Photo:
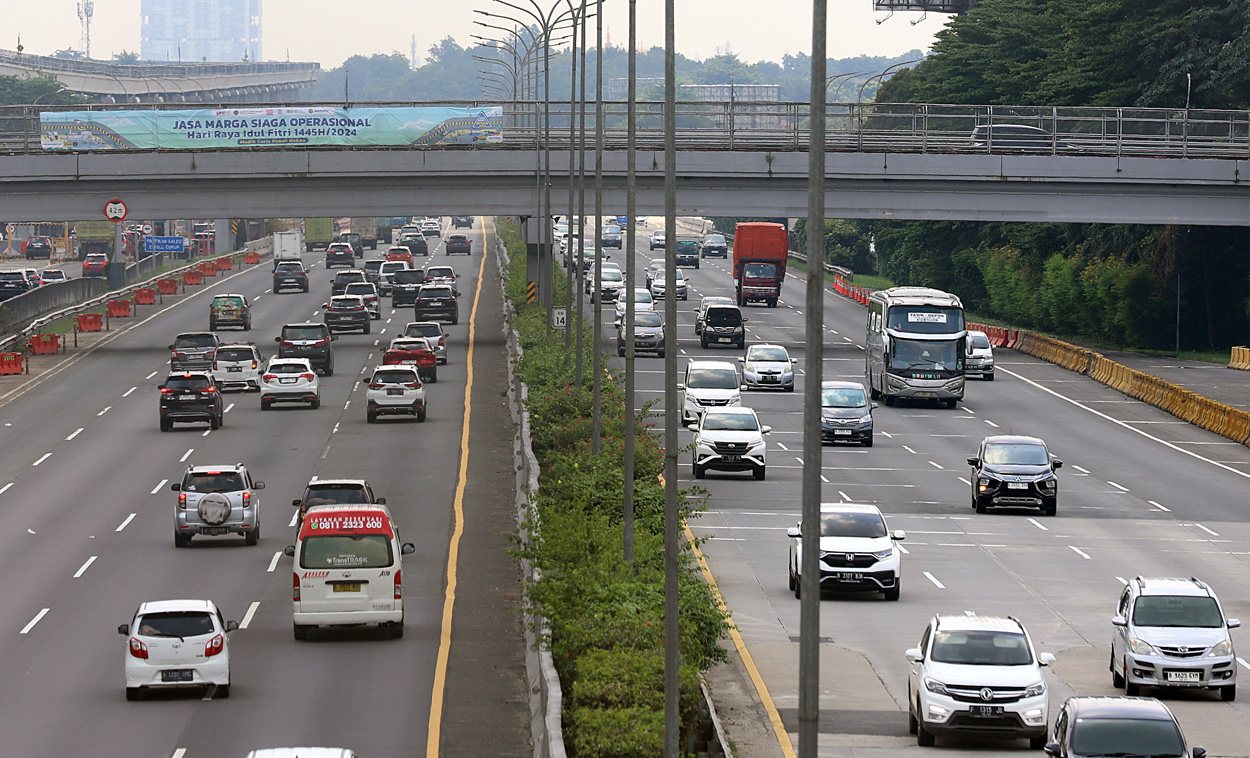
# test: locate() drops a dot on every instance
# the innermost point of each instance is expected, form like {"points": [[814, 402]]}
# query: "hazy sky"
{"points": [[328, 31]]}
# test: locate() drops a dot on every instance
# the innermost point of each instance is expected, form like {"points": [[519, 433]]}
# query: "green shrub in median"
{"points": [[605, 616]]}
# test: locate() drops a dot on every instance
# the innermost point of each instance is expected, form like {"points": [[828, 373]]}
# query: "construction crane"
{"points": [[86, 9]]}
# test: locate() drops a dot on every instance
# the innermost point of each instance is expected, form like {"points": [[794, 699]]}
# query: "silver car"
{"points": [[768, 367], [238, 365], [216, 500], [648, 334]]}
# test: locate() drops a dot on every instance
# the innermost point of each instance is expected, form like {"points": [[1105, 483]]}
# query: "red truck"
{"points": [[413, 351], [760, 254]]}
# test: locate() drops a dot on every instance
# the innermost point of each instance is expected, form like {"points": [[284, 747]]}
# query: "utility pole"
{"points": [[631, 207], [596, 421], [672, 412]]}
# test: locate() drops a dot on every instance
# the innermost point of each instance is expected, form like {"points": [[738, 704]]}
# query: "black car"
{"points": [[347, 312], [371, 267], [290, 275], [353, 239], [340, 254], [13, 283], [436, 302], [462, 221], [311, 341], [611, 236], [415, 243], [1131, 727], [845, 413], [193, 351], [404, 286], [39, 247], [713, 245], [1013, 470], [338, 285], [189, 397], [458, 243], [687, 251]]}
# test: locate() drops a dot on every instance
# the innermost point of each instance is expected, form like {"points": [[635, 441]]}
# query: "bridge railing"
{"points": [[149, 70], [782, 126]]}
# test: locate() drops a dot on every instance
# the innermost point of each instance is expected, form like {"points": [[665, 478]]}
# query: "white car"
{"points": [[238, 365], [857, 551], [973, 671], [768, 367], [730, 439], [708, 384], [656, 264], [659, 283], [289, 380], [393, 391], [368, 291], [979, 359], [610, 285], [642, 302], [386, 271], [442, 275], [177, 643]]}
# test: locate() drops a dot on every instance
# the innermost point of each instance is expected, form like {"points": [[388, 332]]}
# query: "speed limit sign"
{"points": [[147, 228], [115, 210]]}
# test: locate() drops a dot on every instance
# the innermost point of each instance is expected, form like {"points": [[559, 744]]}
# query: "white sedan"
{"points": [[289, 380]]}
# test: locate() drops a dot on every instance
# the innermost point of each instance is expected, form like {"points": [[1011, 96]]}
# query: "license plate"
{"points": [[985, 711], [186, 397], [847, 576], [1184, 676], [767, 379], [347, 586], [642, 344], [210, 530], [395, 392], [724, 339], [732, 458], [842, 432], [234, 369], [926, 394], [178, 675], [1017, 486], [283, 380]]}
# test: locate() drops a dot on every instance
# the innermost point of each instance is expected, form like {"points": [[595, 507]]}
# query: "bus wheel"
{"points": [[889, 399]]}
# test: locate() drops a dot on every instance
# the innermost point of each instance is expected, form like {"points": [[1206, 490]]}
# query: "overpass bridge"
{"points": [[167, 82], [913, 161]]}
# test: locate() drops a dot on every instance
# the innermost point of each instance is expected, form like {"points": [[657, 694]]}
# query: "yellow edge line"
{"points": [[453, 551]]}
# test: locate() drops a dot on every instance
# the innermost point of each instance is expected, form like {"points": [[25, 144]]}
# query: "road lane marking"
{"points": [[823, 479], [887, 435], [908, 449], [125, 523], [228, 407], [991, 423], [179, 753], [966, 409], [82, 570], [1082, 470], [127, 392], [1035, 523], [1119, 487], [783, 447], [1080, 552], [34, 621], [45, 457], [75, 434], [5, 488], [107, 408], [186, 455], [294, 518], [902, 549], [335, 429], [158, 487], [1160, 507], [1243, 662], [844, 496], [933, 579], [1208, 531], [433, 731], [800, 460], [273, 564], [247, 617], [206, 431], [347, 403], [937, 466], [149, 376], [965, 481]]}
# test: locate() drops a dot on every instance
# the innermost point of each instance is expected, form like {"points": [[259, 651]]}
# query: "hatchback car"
{"points": [[95, 264], [657, 240], [415, 352], [713, 245], [979, 359], [340, 254], [289, 380], [730, 439], [371, 266], [977, 675], [857, 551], [656, 264], [723, 325], [648, 334], [238, 365], [190, 397], [431, 229], [14, 283], [369, 293], [465, 222], [54, 275], [687, 253], [311, 341], [433, 333], [177, 643], [441, 275], [345, 312], [1013, 470], [288, 275], [193, 351], [768, 367], [399, 253], [354, 240], [39, 247], [386, 274], [1172, 633], [230, 310], [845, 413], [436, 301], [415, 242], [394, 390], [336, 492], [458, 243], [659, 282], [214, 500], [642, 302], [404, 286], [1096, 726]]}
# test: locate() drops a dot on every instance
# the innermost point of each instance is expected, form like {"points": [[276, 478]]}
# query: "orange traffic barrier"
{"points": [[119, 308], [145, 296], [251, 257], [90, 322], [208, 268], [45, 344], [193, 277], [225, 263], [167, 286], [12, 363]]}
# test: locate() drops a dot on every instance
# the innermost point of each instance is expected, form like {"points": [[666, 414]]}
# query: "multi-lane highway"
{"points": [[1140, 494], [88, 526]]}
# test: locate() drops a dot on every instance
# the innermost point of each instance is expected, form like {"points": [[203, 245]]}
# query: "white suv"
{"points": [[394, 390], [708, 384], [977, 675], [238, 365], [177, 643], [216, 500], [857, 551], [290, 380], [1172, 633], [730, 439]]}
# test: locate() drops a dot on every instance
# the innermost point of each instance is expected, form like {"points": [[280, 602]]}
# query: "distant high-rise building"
{"points": [[200, 30]]}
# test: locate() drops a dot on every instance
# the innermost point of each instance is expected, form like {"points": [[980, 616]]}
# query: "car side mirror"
{"points": [[914, 655], [1119, 621], [871, 406], [380, 501], [123, 629], [744, 320], [334, 338], [176, 487], [681, 386], [231, 626], [171, 347], [1045, 659], [765, 429], [899, 535], [1056, 463], [1233, 623], [258, 485], [289, 550], [743, 387], [277, 339], [160, 386], [741, 359], [794, 531], [1200, 752], [408, 548], [973, 461], [296, 503], [1052, 748], [325, 305]]}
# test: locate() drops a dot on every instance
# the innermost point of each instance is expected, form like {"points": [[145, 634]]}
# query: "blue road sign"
{"points": [[164, 244]]}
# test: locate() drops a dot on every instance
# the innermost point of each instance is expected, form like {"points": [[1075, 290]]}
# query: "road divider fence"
{"points": [[1240, 358]]}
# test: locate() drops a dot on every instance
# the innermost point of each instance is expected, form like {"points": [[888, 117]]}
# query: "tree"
{"points": [[41, 90], [126, 57]]}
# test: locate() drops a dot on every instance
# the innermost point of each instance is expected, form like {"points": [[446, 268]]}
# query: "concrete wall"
{"points": [[17, 312]]}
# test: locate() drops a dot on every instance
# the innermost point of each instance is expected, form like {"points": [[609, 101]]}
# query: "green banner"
{"points": [[313, 126]]}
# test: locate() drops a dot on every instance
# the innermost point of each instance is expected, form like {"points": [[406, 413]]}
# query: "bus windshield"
{"points": [[925, 355], [926, 319]]}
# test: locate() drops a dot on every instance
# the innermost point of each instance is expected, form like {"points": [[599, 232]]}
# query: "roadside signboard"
{"points": [[164, 244], [559, 318]]}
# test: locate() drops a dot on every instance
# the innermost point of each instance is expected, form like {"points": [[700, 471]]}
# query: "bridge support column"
{"points": [[531, 229]]}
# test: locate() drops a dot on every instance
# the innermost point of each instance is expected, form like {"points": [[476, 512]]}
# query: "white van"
{"points": [[347, 569]]}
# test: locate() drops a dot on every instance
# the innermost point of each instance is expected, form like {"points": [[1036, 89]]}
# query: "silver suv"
{"points": [[214, 500], [1172, 633]]}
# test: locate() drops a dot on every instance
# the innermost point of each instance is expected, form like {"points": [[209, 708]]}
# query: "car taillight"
{"points": [[268, 377], [255, 365], [247, 499], [208, 390], [309, 377], [295, 588], [322, 343], [167, 391], [399, 586], [412, 385], [214, 365], [214, 646], [442, 341], [286, 343], [182, 500], [138, 649], [375, 385]]}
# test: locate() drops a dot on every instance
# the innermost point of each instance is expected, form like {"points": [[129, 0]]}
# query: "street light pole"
{"points": [[631, 203], [596, 417], [672, 414], [570, 291], [581, 202]]}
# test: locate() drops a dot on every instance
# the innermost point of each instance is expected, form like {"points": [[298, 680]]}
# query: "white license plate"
{"points": [[395, 392], [233, 369], [724, 339], [1184, 676], [926, 394], [1017, 486], [178, 675], [842, 432], [186, 397], [212, 530], [283, 380]]}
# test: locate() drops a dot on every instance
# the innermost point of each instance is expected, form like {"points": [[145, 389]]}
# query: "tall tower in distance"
{"points": [[86, 9], [192, 31]]}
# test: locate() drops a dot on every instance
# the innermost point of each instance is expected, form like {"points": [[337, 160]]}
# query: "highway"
{"points": [[84, 491], [1140, 494]]}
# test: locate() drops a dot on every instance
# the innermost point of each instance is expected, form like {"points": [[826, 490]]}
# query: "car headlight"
{"points": [[1141, 647], [1048, 484], [735, 398], [934, 686], [983, 484], [1221, 649], [866, 419], [1035, 689], [755, 445], [882, 555]]}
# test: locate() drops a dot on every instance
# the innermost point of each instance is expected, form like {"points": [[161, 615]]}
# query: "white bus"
{"points": [[915, 345]]}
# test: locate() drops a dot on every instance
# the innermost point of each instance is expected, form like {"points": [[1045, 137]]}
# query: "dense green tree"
{"points": [[40, 90]]}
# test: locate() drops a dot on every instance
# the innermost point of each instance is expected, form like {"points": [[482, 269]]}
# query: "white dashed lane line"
{"points": [[1080, 552], [186, 455], [45, 457], [273, 564], [908, 449], [1119, 487], [127, 392], [107, 408], [125, 523], [294, 519], [35, 620], [991, 423], [228, 408], [247, 617], [1035, 523], [5, 488], [1160, 507], [158, 487], [85, 566], [76, 432], [149, 376], [206, 431], [1211, 532], [933, 579], [937, 466]]}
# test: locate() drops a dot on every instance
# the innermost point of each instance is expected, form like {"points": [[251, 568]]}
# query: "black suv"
{"points": [[687, 251], [434, 302], [340, 254], [347, 312], [311, 341], [338, 285], [290, 275], [39, 247], [404, 286], [193, 351], [415, 243], [13, 283], [190, 396], [713, 245], [462, 221], [1099, 725], [1013, 470]]}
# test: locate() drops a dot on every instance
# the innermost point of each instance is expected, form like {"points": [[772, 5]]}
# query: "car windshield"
{"points": [[351, 237], [335, 494], [740, 422], [979, 341], [612, 275], [647, 318], [708, 302], [286, 368], [374, 264], [410, 344], [1177, 610], [423, 330], [852, 525], [347, 277], [289, 268], [924, 355], [767, 353], [407, 276], [346, 302], [346, 551], [303, 333], [340, 246], [925, 319], [1115, 737], [687, 243], [175, 624], [361, 288], [213, 481], [228, 302], [643, 296], [850, 397], [235, 354], [1016, 454], [394, 376], [759, 271], [714, 239], [195, 340], [712, 378], [723, 317], [436, 293], [435, 272], [12, 276], [190, 383], [981, 648]]}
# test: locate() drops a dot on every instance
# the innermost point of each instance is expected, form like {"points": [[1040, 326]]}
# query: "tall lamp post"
{"points": [[631, 208]]}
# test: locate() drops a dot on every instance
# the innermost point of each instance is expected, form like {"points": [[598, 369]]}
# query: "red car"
{"points": [[400, 254], [95, 264], [413, 351]]}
